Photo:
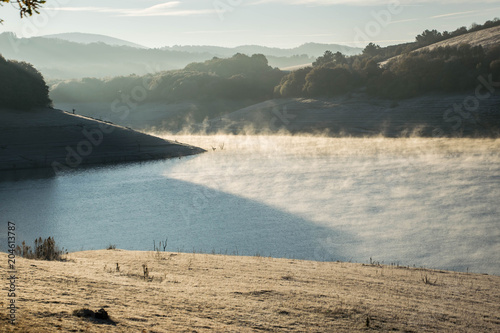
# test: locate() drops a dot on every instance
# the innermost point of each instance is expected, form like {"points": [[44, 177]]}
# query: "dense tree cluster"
{"points": [[443, 69], [238, 77], [22, 86]]}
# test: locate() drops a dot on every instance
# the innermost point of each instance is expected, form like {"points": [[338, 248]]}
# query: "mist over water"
{"points": [[427, 202], [414, 201]]}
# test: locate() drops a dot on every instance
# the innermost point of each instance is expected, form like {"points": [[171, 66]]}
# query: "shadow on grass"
{"points": [[98, 317]]}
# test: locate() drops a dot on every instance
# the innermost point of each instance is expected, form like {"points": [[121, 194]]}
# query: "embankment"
{"points": [[48, 138]]}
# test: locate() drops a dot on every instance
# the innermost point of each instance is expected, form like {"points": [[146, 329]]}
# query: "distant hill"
{"points": [[310, 49], [61, 59], [74, 55], [85, 38], [286, 59]]}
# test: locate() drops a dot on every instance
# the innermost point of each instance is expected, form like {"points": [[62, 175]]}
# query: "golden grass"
{"points": [[216, 293]]}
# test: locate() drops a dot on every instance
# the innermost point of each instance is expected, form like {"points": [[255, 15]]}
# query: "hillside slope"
{"points": [[486, 38], [360, 115], [355, 115], [40, 138], [85, 38]]}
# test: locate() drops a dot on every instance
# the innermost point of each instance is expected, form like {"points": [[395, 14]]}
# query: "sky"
{"points": [[274, 23]]}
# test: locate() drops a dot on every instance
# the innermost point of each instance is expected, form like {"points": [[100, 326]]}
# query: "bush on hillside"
{"points": [[22, 86], [44, 249]]}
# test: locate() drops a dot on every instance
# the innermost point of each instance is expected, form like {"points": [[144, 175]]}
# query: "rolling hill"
{"points": [[84, 38], [61, 59], [360, 115], [310, 49], [76, 55], [486, 38]]}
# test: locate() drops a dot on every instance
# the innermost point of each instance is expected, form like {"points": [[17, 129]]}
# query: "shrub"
{"points": [[22, 86], [44, 249]]}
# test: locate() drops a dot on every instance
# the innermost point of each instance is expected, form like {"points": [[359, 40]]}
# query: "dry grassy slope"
{"points": [[215, 293], [36, 138], [486, 38], [296, 67], [360, 115]]}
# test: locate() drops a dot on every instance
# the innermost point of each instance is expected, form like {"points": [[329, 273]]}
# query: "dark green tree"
{"points": [[325, 59], [326, 81], [292, 85], [339, 58], [371, 50], [429, 37]]}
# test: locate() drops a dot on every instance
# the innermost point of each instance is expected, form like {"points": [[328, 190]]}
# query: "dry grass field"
{"points": [[215, 293]]}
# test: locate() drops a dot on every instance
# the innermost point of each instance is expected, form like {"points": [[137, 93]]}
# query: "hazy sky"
{"points": [[280, 23]]}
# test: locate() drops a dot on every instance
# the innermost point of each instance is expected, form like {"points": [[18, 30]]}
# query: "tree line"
{"points": [[427, 38], [238, 77], [443, 69]]}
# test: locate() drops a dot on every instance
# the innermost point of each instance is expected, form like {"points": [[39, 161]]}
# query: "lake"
{"points": [[414, 201]]}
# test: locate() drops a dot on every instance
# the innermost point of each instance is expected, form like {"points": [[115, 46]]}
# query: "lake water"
{"points": [[424, 202]]}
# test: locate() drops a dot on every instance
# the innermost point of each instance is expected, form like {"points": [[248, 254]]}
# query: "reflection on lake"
{"points": [[422, 202]]}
